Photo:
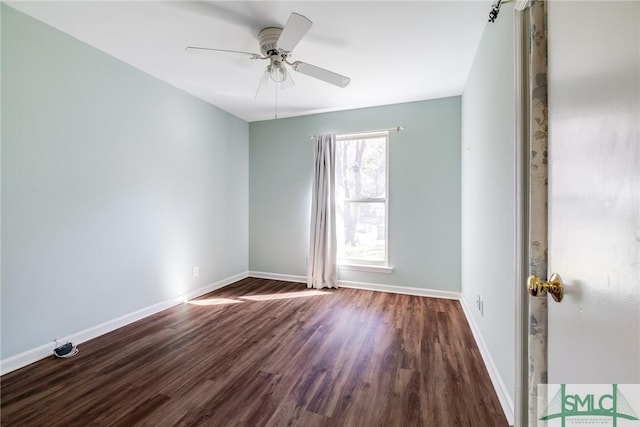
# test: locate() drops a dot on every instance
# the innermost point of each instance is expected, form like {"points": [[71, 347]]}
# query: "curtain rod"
{"points": [[397, 129]]}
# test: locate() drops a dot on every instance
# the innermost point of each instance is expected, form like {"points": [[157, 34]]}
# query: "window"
{"points": [[361, 198]]}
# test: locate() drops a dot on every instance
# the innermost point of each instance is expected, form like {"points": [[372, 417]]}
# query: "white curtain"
{"points": [[322, 270]]}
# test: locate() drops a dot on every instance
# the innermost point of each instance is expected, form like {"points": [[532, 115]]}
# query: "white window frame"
{"points": [[364, 265]]}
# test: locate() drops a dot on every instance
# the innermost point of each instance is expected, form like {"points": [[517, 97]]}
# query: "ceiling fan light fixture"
{"points": [[277, 72]]}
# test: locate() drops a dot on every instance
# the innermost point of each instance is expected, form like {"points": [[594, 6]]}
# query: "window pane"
{"points": [[361, 168], [361, 231]]}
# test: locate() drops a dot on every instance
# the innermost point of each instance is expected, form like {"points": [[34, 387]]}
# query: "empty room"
{"points": [[320, 213]]}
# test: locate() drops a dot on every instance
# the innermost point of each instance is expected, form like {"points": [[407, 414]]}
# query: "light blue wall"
{"points": [[114, 184], [489, 192], [424, 187]]}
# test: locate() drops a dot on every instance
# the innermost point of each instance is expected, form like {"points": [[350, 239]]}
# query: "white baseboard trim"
{"points": [[214, 286], [421, 292], [276, 276], [404, 290], [496, 379], [30, 356]]}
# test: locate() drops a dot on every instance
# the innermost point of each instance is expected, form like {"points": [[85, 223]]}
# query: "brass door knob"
{"points": [[554, 286]]}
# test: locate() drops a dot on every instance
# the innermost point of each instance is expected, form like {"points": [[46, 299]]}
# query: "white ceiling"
{"points": [[393, 51]]}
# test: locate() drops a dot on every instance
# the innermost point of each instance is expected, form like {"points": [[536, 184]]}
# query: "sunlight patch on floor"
{"points": [[213, 301], [288, 295], [267, 297]]}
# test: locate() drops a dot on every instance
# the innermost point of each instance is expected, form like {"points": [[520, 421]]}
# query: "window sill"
{"points": [[367, 268]]}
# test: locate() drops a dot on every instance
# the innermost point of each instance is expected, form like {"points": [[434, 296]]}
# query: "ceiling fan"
{"points": [[276, 45]]}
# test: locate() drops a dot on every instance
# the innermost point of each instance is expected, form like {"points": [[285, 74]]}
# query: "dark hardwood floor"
{"points": [[263, 352]]}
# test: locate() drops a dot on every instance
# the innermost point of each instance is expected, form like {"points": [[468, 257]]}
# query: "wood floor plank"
{"points": [[268, 353]]}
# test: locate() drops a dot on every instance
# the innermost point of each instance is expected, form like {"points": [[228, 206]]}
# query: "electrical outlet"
{"points": [[196, 271]]}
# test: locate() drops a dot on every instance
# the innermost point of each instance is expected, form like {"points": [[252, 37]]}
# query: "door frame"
{"points": [[521, 161]]}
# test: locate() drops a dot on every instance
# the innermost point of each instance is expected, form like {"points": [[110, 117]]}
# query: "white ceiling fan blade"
{"points": [[321, 74], [295, 28], [195, 49]]}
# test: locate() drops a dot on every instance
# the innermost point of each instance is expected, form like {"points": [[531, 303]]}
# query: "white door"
{"points": [[594, 191]]}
